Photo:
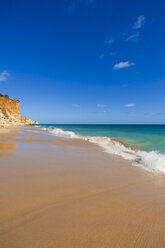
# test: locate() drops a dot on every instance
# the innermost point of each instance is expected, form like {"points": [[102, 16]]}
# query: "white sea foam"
{"points": [[152, 161], [68, 134]]}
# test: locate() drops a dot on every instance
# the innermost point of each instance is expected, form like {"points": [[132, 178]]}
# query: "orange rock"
{"points": [[10, 104], [10, 113]]}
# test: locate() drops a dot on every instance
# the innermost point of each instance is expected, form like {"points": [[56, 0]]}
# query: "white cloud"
{"points": [[134, 36], [123, 65], [75, 105], [140, 22], [4, 75], [129, 105], [101, 105]]}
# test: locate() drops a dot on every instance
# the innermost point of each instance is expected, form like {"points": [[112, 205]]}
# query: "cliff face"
{"points": [[11, 105], [10, 113]]}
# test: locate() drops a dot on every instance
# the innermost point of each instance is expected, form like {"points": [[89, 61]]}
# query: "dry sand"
{"points": [[57, 193]]}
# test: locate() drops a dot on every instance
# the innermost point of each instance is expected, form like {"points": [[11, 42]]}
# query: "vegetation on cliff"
{"points": [[5, 95]]}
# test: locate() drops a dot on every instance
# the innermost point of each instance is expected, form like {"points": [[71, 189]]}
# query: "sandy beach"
{"points": [[65, 193]]}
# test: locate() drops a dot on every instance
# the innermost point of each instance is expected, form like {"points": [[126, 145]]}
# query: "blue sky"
{"points": [[84, 61]]}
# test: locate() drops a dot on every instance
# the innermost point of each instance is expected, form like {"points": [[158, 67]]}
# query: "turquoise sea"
{"points": [[146, 137], [148, 140]]}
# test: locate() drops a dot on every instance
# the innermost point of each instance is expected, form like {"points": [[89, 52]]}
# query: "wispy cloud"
{"points": [[122, 65], [101, 105], [102, 112], [72, 6], [91, 1], [101, 56], [158, 113], [74, 3], [146, 113], [109, 41], [129, 105], [75, 105], [134, 33], [134, 36], [4, 75], [139, 22], [113, 54]]}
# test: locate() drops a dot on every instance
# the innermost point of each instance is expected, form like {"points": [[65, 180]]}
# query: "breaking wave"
{"points": [[151, 161]]}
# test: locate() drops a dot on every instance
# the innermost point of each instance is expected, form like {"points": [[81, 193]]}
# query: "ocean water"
{"points": [[144, 145]]}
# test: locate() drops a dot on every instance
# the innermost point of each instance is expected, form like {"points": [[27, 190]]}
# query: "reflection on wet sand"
{"points": [[7, 149], [8, 137]]}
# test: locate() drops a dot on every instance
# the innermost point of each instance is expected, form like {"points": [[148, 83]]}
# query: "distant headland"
{"points": [[10, 113]]}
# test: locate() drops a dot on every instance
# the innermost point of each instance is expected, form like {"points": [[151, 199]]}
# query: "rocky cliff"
{"points": [[11, 105], [10, 113]]}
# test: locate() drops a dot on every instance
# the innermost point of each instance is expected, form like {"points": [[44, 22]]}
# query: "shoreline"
{"points": [[57, 192], [151, 161]]}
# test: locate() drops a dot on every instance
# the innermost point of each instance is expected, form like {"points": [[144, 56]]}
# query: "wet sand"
{"points": [[69, 193]]}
